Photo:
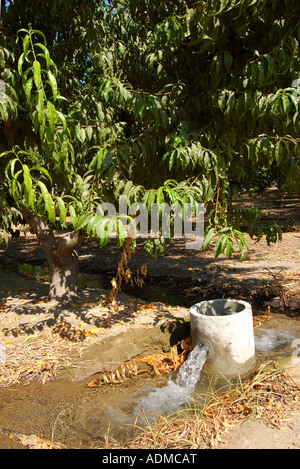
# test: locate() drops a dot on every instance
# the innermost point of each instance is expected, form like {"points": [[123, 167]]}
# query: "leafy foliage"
{"points": [[160, 102]]}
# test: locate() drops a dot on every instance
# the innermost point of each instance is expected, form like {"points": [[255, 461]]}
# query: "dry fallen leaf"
{"points": [[34, 442]]}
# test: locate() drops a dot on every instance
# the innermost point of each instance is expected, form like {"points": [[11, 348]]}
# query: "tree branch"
{"points": [[43, 232], [62, 248], [69, 242]]}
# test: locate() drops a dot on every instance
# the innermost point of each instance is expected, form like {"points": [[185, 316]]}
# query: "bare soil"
{"points": [[267, 275]]}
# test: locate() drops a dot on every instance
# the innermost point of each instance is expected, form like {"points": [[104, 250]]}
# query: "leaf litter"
{"points": [[271, 396]]}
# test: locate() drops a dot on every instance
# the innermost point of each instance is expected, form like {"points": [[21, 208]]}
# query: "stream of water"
{"points": [[175, 393]]}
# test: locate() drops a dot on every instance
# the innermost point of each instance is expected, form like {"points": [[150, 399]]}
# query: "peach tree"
{"points": [[161, 102]]}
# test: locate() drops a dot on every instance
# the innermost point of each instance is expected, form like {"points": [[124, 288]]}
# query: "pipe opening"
{"points": [[219, 307]]}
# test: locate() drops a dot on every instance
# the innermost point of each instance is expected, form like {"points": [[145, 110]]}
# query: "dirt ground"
{"points": [[52, 335]]}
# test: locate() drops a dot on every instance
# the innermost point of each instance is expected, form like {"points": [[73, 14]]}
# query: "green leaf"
{"points": [[15, 187], [228, 59], [220, 246], [150, 199], [254, 73], [43, 170], [285, 103], [127, 188], [27, 88], [53, 83], [172, 159], [241, 246], [46, 54], [105, 90], [72, 210], [62, 117], [51, 112], [10, 167], [230, 103], [81, 221], [230, 248], [49, 202], [160, 196], [40, 107], [62, 211], [20, 63], [26, 44], [208, 238], [121, 231], [37, 75], [27, 185], [40, 33], [261, 76]]}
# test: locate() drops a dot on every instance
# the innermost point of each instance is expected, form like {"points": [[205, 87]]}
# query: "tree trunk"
{"points": [[61, 256], [64, 269]]}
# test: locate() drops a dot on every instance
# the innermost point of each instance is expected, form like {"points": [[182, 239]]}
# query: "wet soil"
{"points": [[69, 413]]}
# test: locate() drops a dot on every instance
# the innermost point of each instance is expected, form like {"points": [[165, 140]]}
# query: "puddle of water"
{"points": [[273, 340], [69, 413], [278, 343]]}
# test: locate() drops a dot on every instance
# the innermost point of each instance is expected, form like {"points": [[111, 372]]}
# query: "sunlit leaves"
{"points": [[8, 94], [53, 83], [113, 89], [227, 240], [164, 101], [24, 185], [46, 203], [38, 73]]}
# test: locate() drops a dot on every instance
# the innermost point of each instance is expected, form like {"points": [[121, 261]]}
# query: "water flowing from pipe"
{"points": [[176, 393]]}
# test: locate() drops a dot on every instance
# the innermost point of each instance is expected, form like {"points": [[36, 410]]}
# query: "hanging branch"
{"points": [[279, 288], [124, 273]]}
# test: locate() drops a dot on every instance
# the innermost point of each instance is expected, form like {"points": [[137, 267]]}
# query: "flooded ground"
{"points": [[67, 412]]}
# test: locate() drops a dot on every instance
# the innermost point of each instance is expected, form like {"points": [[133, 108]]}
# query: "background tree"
{"points": [[161, 102]]}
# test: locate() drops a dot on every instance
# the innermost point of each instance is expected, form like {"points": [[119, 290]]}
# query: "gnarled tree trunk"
{"points": [[61, 256]]}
